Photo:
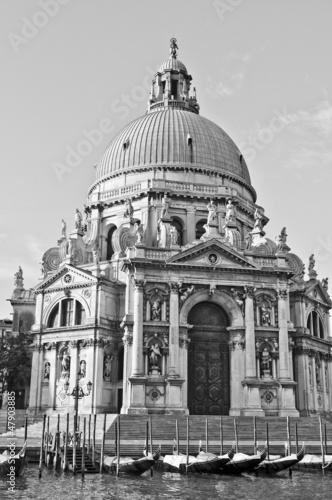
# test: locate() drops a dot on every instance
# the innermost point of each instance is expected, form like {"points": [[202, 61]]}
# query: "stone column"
{"points": [[283, 335], [52, 382], [137, 354], [127, 357], [314, 384], [73, 371], [35, 376], [237, 369], [250, 333], [325, 404], [173, 368], [191, 226]]}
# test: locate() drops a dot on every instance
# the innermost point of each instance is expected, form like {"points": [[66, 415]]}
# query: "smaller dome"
{"points": [[173, 64]]}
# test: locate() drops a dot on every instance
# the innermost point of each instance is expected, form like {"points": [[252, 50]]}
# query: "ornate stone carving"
{"points": [[283, 293], [185, 292], [96, 254], [47, 370], [63, 230], [237, 344], [129, 212], [266, 363], [212, 212], [87, 292], [249, 292], [73, 344], [165, 207], [258, 216], [18, 279], [86, 343], [78, 220], [127, 340], [312, 262], [154, 358], [325, 284], [230, 212], [107, 369], [174, 235], [184, 342], [281, 241], [239, 299], [49, 346], [139, 285], [248, 245]]}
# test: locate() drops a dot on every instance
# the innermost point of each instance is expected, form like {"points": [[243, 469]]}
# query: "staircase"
{"points": [[89, 467], [133, 432]]}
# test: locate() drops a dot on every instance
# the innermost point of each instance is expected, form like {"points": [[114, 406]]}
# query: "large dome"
{"points": [[176, 138]]}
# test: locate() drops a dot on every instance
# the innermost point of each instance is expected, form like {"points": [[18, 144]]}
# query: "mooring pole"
{"points": [[255, 436], [25, 430], [207, 435], [322, 444], [267, 441], [151, 446], [89, 432], [102, 445], [42, 448], [118, 461], [47, 439], [147, 439], [221, 437], [177, 436], [94, 439], [289, 437], [83, 447], [296, 439], [187, 458], [236, 437], [325, 437], [64, 465]]}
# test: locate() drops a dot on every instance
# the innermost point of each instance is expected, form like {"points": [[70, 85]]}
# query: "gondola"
{"points": [[279, 465], [203, 463], [18, 461], [314, 463], [243, 463], [128, 465]]}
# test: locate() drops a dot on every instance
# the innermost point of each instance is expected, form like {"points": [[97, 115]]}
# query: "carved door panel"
{"points": [[208, 384]]}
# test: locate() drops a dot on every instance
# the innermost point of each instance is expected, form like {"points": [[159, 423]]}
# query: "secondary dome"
{"points": [[172, 64], [173, 137]]}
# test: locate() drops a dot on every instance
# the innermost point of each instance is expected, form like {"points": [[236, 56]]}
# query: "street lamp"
{"points": [[77, 394]]}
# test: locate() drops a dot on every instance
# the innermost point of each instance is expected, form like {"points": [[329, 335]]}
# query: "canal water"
{"points": [[62, 486]]}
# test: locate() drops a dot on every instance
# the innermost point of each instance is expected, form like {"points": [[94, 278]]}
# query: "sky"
{"points": [[75, 72]]}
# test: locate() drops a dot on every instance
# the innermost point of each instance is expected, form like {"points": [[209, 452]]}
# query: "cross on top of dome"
{"points": [[173, 48]]}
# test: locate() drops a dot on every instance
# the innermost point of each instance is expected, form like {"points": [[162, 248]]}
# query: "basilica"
{"points": [[164, 293]]}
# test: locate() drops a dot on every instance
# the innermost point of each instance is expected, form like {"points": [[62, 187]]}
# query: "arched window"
{"points": [[67, 312], [315, 325], [110, 248], [178, 225], [200, 230]]}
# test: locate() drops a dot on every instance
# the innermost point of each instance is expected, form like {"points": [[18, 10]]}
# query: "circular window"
{"points": [[213, 258], [67, 278]]}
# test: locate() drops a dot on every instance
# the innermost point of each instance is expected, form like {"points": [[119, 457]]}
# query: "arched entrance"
{"points": [[208, 363]]}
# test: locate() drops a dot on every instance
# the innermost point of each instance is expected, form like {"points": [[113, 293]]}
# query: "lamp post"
{"points": [[77, 393]]}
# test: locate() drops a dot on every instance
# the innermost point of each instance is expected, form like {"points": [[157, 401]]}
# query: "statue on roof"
{"points": [[129, 212], [173, 48], [165, 206], [212, 209], [230, 211], [258, 216], [325, 284], [312, 262], [78, 219], [281, 241], [63, 229], [18, 278]]}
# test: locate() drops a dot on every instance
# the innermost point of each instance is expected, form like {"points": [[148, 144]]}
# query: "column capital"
{"points": [[282, 293], [175, 287], [139, 284], [249, 292]]}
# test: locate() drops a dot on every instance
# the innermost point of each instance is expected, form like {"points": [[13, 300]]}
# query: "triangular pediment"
{"points": [[66, 276], [315, 291], [212, 253]]}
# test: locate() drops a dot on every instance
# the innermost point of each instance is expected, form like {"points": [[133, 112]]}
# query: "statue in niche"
{"points": [[156, 310], [47, 370], [265, 311], [18, 278], [230, 212], [312, 262], [96, 254], [276, 344], [174, 235], [165, 206], [317, 374], [212, 209], [108, 367], [82, 371], [63, 229], [258, 216], [266, 362], [155, 354], [129, 212], [238, 299], [162, 235], [65, 364], [78, 219], [248, 241]]}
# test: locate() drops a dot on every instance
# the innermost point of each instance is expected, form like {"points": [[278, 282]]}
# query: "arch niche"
{"points": [[208, 363]]}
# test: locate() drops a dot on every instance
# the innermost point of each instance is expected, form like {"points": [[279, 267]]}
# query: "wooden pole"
{"points": [[94, 439], [89, 433], [289, 437], [64, 465], [236, 437], [118, 460], [151, 446], [57, 443], [147, 439], [116, 438], [187, 458], [47, 439], [321, 443], [325, 437], [267, 441], [255, 436], [296, 439], [83, 447], [207, 435], [25, 429], [42, 448], [102, 446], [177, 436], [221, 438]]}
